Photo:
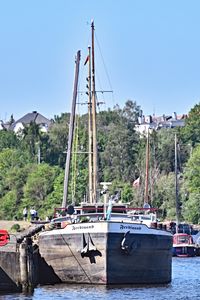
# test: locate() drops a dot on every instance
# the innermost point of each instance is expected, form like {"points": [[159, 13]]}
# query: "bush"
{"points": [[16, 228]]}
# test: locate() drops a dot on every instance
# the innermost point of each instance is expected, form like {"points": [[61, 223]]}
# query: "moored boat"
{"points": [[103, 243], [119, 250], [183, 245]]}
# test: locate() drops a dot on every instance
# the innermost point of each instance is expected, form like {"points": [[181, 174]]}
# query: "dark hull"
{"points": [[146, 258], [184, 251]]}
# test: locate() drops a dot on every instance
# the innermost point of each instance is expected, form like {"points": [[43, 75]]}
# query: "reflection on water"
{"points": [[185, 285]]}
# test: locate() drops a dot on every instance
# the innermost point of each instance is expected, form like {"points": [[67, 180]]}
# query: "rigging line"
{"points": [[106, 71], [75, 158], [73, 176], [81, 91], [73, 155], [76, 259], [75, 151], [179, 156], [103, 62], [73, 168], [73, 161]]}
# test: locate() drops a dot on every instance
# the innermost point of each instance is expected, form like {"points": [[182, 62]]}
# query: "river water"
{"points": [[185, 285]]}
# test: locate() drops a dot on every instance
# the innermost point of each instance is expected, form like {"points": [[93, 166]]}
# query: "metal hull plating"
{"points": [[107, 253]]}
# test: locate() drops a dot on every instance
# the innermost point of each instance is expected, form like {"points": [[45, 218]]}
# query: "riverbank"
{"points": [[7, 225]]}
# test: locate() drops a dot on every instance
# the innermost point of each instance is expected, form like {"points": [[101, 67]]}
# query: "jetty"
{"points": [[20, 260]]}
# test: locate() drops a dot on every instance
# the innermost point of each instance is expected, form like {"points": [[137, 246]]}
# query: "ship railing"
{"points": [[60, 211]]}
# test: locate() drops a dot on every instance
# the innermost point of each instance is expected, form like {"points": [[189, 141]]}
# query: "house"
{"points": [[4, 125], [146, 123], [34, 117]]}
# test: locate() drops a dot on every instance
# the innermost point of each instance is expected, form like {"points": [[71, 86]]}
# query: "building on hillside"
{"points": [[29, 118], [2, 125], [146, 123]]}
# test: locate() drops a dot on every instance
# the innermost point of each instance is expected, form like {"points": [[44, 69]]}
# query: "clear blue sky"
{"points": [[151, 50]]}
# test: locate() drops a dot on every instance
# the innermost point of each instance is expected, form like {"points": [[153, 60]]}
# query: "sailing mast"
{"points": [[94, 130], [71, 131], [176, 183], [146, 192], [90, 127]]}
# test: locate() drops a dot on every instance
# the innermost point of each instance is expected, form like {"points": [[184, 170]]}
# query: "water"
{"points": [[185, 285]]}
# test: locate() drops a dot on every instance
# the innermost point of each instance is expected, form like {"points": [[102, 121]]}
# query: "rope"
{"points": [[75, 157], [76, 259], [103, 62], [104, 65]]}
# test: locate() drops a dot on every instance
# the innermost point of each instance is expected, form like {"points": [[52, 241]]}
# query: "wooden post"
{"points": [[71, 131], [23, 265]]}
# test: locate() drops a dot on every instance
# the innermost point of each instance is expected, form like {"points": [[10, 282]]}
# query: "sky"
{"points": [[147, 51]]}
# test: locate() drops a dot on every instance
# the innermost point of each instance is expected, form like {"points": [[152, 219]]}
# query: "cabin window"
{"points": [[183, 239]]}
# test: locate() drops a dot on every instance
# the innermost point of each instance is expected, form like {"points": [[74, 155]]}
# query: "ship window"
{"points": [[183, 239]]}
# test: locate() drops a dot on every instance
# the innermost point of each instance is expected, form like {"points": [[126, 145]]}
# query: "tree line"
{"points": [[24, 182]]}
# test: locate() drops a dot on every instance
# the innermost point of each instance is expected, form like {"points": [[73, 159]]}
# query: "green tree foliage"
{"points": [[31, 137], [191, 131], [127, 193], [121, 157], [118, 149], [8, 139], [191, 210], [164, 196], [192, 172], [54, 199], [10, 160], [39, 185], [192, 186], [14, 167], [9, 208], [57, 142]]}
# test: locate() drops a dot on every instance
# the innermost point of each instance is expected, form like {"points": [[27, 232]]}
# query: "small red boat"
{"points": [[4, 237], [183, 245]]}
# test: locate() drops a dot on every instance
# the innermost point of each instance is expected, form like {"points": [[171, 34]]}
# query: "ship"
{"points": [[102, 242], [183, 245]]}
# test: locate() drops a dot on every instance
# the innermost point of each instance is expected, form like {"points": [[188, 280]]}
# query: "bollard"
{"points": [[23, 265]]}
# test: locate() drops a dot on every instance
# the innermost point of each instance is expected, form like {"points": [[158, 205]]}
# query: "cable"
{"points": [[76, 259]]}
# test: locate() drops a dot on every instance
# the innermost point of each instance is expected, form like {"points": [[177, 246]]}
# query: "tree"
{"points": [[9, 209], [54, 199], [130, 112], [118, 144], [127, 193], [39, 185], [192, 172], [191, 209], [191, 131], [57, 142], [14, 168], [192, 187], [8, 139], [164, 195], [31, 137]]}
